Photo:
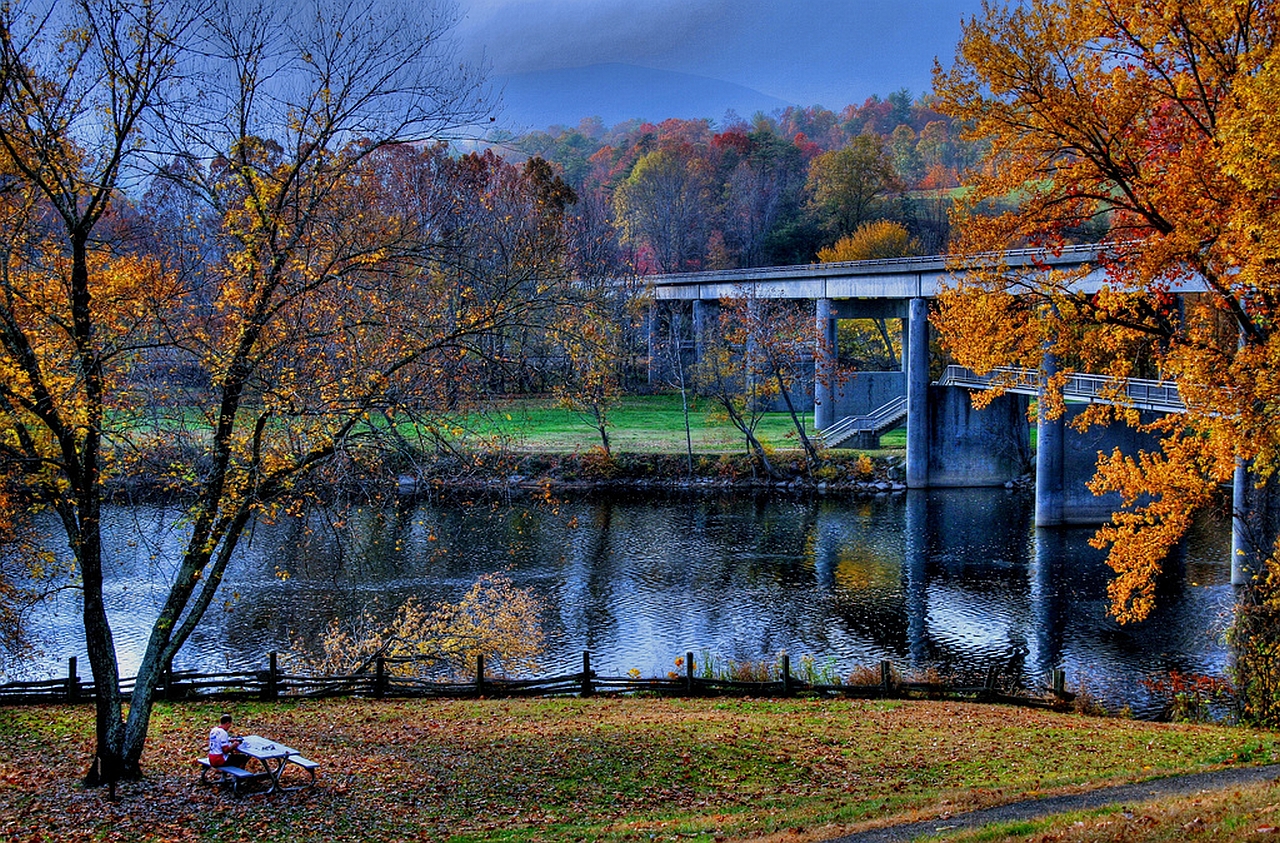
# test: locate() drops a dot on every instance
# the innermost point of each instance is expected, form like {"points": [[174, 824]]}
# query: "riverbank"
{"points": [[618, 769], [534, 444], [843, 472], [409, 476]]}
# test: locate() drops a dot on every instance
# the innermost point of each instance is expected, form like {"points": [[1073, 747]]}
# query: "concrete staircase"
{"points": [[865, 431]]}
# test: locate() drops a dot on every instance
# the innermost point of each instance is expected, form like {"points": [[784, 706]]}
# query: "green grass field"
{"points": [[638, 424]]}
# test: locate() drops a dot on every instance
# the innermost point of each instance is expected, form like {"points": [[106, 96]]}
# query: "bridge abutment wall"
{"points": [[972, 447], [1066, 460]]}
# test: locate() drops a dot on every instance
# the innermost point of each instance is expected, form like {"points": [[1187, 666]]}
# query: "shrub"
{"points": [[1254, 639], [494, 619]]}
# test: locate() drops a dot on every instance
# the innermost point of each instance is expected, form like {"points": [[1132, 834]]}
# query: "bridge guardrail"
{"points": [[876, 422], [1159, 395]]}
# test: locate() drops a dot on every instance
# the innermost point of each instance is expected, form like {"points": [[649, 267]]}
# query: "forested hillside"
{"points": [[775, 189]]}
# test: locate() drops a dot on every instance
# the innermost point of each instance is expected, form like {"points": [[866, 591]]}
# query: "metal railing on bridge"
{"points": [[1161, 396], [875, 423]]}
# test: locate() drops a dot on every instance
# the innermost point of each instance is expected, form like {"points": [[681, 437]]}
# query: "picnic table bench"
{"points": [[273, 758]]}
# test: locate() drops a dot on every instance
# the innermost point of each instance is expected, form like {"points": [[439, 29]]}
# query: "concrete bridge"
{"points": [[949, 443]]}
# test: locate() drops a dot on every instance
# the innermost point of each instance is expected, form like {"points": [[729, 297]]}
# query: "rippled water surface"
{"points": [[956, 580]]}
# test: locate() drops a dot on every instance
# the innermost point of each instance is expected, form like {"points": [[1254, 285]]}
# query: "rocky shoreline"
{"points": [[503, 474], [856, 475]]}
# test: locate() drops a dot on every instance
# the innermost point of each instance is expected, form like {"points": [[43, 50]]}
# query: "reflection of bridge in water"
{"points": [[949, 443]]}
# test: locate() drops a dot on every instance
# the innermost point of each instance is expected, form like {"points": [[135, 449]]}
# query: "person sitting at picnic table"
{"points": [[222, 747]]}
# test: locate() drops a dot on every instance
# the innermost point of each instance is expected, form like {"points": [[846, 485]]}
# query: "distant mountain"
{"points": [[619, 92]]}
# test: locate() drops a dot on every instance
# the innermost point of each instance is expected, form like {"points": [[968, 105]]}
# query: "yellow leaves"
{"points": [[494, 618], [872, 241], [1151, 126], [1168, 488]]}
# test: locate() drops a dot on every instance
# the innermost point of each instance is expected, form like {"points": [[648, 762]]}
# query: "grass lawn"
{"points": [[633, 769], [639, 424], [1249, 812]]}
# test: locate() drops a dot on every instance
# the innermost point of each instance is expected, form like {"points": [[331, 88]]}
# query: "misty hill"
{"points": [[620, 92]]}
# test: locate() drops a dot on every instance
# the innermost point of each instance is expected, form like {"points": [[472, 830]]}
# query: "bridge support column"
{"points": [[651, 334], [1066, 459], [1240, 545], [1050, 458], [701, 313], [1255, 524], [917, 358], [824, 366]]}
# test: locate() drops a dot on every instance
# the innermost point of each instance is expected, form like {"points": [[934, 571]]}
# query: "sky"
{"points": [[806, 52]]}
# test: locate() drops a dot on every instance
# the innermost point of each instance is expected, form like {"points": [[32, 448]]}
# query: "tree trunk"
{"points": [[810, 452]]}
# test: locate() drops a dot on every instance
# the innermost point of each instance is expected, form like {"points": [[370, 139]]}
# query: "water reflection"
{"points": [[953, 580]]}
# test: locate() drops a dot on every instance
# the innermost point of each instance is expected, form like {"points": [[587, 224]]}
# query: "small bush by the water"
{"points": [[813, 673], [1254, 639], [495, 619], [1192, 697]]}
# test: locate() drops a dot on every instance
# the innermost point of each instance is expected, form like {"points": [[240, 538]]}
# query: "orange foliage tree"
{"points": [[753, 360], [310, 285], [1148, 126]]}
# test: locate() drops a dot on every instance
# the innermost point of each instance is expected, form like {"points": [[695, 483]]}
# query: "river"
{"points": [[952, 580]]}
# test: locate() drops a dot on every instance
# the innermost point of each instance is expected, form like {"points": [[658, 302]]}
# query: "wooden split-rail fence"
{"points": [[382, 681]]}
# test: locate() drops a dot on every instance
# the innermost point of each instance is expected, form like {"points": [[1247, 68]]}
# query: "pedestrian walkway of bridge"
{"points": [[948, 441], [1157, 395]]}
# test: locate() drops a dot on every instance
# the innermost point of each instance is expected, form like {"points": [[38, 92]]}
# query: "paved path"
{"points": [[1034, 808]]}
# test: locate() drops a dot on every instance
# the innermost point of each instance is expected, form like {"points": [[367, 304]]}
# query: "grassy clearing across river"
{"points": [[639, 424], [628, 769]]}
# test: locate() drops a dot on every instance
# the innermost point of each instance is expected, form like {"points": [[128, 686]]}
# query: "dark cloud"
{"points": [[828, 52], [518, 36]]}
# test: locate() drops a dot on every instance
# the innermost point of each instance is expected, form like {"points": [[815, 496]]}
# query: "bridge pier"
{"points": [[916, 351], [1050, 434], [703, 312], [1067, 459], [825, 358], [1255, 524]]}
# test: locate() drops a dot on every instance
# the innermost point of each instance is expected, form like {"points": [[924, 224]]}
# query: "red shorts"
{"points": [[217, 760]]}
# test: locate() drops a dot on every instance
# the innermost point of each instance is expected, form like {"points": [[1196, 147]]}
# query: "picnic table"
{"points": [[273, 760]]}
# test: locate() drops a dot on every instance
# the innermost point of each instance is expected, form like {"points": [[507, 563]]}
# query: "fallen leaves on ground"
{"points": [[570, 769]]}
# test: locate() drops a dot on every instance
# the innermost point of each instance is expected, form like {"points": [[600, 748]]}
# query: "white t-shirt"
{"points": [[219, 741]]}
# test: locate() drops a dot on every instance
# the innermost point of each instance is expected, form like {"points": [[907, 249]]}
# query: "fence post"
{"points": [[273, 675], [1059, 682], [989, 687], [886, 676], [479, 674], [73, 681], [380, 678], [786, 675], [587, 690], [688, 671]]}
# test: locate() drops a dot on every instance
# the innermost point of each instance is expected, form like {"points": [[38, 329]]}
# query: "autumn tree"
{"points": [[753, 357], [875, 240], [1153, 125], [731, 373], [590, 344], [321, 302], [873, 344], [661, 208], [763, 189], [75, 90], [850, 185]]}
